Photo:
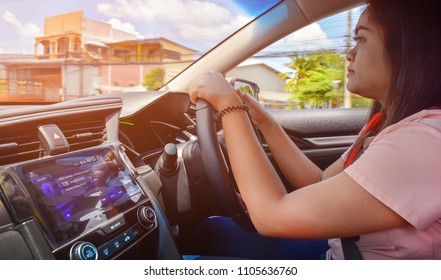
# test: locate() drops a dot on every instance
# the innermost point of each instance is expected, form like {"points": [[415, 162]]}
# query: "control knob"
{"points": [[147, 217], [83, 251]]}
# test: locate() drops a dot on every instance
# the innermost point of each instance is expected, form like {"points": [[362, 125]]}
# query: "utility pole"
{"points": [[347, 101]]}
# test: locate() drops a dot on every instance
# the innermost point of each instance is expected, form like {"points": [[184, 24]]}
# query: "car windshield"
{"points": [[52, 50]]}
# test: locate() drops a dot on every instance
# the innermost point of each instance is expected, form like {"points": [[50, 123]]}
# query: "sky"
{"points": [[197, 24]]}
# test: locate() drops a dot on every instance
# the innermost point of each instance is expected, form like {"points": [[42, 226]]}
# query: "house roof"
{"points": [[254, 61], [149, 41]]}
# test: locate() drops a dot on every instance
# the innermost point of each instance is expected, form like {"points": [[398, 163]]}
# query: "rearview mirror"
{"points": [[246, 86]]}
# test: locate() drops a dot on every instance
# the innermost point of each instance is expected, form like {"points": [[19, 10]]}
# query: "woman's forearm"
{"points": [[298, 169]]}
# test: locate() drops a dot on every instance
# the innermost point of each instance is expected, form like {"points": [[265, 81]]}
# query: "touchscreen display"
{"points": [[79, 192]]}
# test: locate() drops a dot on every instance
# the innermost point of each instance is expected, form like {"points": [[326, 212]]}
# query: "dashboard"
{"points": [[75, 182]]}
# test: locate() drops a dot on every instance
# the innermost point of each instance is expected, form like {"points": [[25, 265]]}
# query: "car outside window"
{"points": [[306, 69]]}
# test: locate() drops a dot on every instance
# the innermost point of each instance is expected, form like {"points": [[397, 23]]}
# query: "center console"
{"points": [[88, 204]]}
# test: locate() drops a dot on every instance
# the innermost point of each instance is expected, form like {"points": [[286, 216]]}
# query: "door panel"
{"points": [[323, 135]]}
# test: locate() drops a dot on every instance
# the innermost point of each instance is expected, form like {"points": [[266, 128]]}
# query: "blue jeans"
{"points": [[222, 237]]}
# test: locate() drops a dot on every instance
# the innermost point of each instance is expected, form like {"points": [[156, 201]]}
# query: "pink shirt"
{"points": [[402, 168]]}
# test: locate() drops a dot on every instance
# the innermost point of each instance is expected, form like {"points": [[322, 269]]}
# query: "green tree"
{"points": [[154, 79], [316, 79]]}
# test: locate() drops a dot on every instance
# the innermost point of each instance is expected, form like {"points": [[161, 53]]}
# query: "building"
{"points": [[73, 36], [78, 57], [128, 61], [256, 71], [272, 87]]}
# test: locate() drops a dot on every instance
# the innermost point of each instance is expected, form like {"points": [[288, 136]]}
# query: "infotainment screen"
{"points": [[78, 192]]}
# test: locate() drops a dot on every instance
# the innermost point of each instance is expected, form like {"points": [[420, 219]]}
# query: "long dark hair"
{"points": [[411, 32], [412, 38]]}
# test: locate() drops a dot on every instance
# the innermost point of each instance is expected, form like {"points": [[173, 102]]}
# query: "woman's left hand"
{"points": [[215, 89]]}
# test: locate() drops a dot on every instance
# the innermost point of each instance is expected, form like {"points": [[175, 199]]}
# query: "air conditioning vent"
{"points": [[83, 133], [19, 144]]}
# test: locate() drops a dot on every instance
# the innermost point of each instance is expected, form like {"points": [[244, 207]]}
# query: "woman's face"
{"points": [[368, 74]]}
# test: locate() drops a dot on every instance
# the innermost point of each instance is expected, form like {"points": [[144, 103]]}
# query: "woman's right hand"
{"points": [[259, 116], [215, 89]]}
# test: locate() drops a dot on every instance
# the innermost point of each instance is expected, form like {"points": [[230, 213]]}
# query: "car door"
{"points": [[322, 134]]}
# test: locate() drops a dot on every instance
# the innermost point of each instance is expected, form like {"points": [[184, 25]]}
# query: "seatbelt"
{"points": [[350, 248]]}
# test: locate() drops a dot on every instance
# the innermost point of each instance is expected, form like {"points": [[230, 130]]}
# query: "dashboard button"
{"points": [[127, 236], [105, 251], [108, 229]]}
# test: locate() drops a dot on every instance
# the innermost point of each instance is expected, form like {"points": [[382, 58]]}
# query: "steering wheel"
{"points": [[214, 162]]}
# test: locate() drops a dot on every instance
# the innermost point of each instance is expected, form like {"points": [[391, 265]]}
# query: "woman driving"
{"points": [[386, 188]]}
